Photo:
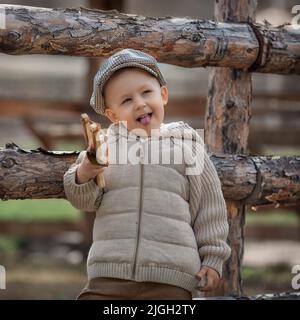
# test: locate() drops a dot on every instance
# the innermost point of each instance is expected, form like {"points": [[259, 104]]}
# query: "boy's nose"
{"points": [[140, 103]]}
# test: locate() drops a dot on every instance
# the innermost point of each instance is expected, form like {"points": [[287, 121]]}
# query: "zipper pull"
{"points": [[141, 152]]}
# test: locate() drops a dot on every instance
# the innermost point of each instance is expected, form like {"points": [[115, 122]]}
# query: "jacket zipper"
{"points": [[140, 211]]}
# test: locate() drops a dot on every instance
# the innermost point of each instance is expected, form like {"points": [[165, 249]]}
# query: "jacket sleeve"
{"points": [[210, 223], [86, 196]]}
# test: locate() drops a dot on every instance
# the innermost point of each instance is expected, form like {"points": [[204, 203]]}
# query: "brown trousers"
{"points": [[121, 289]]}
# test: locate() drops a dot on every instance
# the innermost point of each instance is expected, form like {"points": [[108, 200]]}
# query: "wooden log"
{"points": [[227, 131], [38, 174], [184, 41], [275, 42], [96, 33]]}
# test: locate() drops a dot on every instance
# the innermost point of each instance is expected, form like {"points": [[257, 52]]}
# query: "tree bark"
{"points": [[227, 130], [184, 41], [38, 174]]}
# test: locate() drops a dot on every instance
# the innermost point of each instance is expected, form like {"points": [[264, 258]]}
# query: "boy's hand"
{"points": [[87, 171], [212, 279]]}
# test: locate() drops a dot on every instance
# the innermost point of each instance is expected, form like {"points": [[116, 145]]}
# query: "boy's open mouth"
{"points": [[145, 118]]}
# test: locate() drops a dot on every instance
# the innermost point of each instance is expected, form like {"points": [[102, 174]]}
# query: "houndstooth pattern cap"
{"points": [[122, 59]]}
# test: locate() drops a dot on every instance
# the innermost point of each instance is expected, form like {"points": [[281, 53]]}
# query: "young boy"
{"points": [[158, 230]]}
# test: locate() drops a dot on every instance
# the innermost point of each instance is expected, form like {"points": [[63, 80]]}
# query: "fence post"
{"points": [[226, 131]]}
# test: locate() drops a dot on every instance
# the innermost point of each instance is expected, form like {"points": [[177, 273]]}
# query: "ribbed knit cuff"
{"points": [[84, 188], [213, 262]]}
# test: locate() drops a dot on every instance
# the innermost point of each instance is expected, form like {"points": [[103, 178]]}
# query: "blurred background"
{"points": [[44, 243]]}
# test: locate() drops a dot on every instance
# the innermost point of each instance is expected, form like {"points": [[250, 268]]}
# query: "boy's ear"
{"points": [[164, 94], [111, 115]]}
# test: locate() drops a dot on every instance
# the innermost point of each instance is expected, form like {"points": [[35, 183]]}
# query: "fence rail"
{"points": [[256, 180], [184, 42]]}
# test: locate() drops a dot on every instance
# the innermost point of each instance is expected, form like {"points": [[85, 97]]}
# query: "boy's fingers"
{"points": [[212, 284], [201, 273], [202, 277], [208, 286], [99, 170], [208, 281], [92, 166], [96, 168]]}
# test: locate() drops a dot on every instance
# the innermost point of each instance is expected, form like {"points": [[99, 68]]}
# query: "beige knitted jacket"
{"points": [[154, 222]]}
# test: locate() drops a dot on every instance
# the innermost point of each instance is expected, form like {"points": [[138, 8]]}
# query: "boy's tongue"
{"points": [[145, 120]]}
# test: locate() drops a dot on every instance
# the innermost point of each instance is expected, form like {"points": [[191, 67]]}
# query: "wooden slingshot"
{"points": [[98, 154]]}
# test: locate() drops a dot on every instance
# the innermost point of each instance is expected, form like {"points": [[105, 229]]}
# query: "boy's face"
{"points": [[132, 93]]}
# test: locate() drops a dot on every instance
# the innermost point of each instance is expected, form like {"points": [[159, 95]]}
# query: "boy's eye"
{"points": [[146, 91], [128, 99]]}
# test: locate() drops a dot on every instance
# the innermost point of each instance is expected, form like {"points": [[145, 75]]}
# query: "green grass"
{"points": [[54, 209], [44, 209], [67, 146], [278, 217], [277, 273], [8, 243], [281, 151], [34, 210]]}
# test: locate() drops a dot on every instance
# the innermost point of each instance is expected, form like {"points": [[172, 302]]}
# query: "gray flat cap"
{"points": [[122, 59]]}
